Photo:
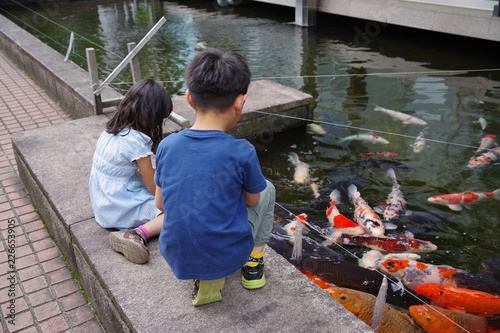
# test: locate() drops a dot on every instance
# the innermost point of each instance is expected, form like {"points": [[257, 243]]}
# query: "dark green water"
{"points": [[347, 74]]}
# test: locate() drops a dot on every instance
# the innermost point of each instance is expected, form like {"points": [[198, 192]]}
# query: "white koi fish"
{"points": [[395, 200], [487, 143], [364, 214], [489, 157], [455, 201], [313, 128], [301, 174], [420, 143], [482, 122], [405, 118], [367, 138]]}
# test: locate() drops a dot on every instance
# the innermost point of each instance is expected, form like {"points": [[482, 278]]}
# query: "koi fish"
{"points": [[362, 305], [413, 273], [301, 174], [381, 153], [313, 128], [405, 118], [420, 143], [461, 299], [366, 138], [489, 157], [391, 244], [339, 221], [364, 215], [434, 319], [455, 200], [487, 143], [372, 258], [395, 201], [482, 122]]}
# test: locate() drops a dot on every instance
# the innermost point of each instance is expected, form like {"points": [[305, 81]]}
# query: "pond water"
{"points": [[447, 81]]}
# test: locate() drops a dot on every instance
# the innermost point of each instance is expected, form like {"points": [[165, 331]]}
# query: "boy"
{"points": [[220, 207]]}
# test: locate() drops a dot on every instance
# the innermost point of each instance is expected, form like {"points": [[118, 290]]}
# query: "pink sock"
{"points": [[143, 232]]}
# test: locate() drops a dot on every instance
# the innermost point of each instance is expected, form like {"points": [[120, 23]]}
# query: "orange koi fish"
{"points": [[435, 319], [339, 221], [381, 153], [362, 305], [391, 244], [487, 142], [413, 273], [461, 299], [455, 201], [364, 214], [395, 201], [489, 157]]}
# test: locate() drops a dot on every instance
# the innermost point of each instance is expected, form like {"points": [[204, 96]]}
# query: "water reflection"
{"points": [[435, 78]]}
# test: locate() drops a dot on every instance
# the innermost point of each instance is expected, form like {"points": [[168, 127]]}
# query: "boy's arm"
{"points": [[251, 199], [158, 198]]}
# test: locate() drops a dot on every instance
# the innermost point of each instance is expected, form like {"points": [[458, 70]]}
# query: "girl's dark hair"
{"points": [[144, 108]]}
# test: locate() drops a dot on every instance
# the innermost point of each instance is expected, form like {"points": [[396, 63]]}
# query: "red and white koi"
{"points": [[395, 200], [413, 273], [489, 157], [381, 154], [364, 215], [487, 143], [366, 138], [391, 244], [456, 201], [338, 221]]}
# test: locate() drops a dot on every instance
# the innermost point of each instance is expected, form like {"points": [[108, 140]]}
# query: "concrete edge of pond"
{"points": [[148, 298]]}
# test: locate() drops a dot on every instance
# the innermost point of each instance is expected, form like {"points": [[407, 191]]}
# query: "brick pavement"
{"points": [[37, 292]]}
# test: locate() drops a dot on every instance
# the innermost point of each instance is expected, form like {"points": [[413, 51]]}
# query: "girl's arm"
{"points": [[147, 173]]}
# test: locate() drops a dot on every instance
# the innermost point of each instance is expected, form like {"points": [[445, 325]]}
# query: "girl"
{"points": [[121, 180]]}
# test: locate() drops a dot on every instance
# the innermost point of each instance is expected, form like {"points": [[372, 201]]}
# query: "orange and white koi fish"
{"points": [[381, 154], [339, 221], [366, 138], [455, 201], [487, 143], [435, 319], [461, 299], [362, 305], [395, 201], [403, 117], [489, 157], [413, 273], [364, 215], [372, 258], [391, 244]]}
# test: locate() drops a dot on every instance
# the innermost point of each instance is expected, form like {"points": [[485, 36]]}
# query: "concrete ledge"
{"points": [[148, 298], [65, 82]]}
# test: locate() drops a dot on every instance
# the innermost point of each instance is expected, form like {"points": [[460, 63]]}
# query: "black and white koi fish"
{"points": [[395, 200]]}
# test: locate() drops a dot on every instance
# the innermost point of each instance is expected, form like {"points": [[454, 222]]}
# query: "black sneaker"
{"points": [[253, 277]]}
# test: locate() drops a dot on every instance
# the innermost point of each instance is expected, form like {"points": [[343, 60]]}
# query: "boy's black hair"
{"points": [[143, 108], [215, 78]]}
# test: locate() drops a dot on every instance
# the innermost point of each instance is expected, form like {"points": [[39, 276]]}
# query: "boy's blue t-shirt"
{"points": [[206, 234]]}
